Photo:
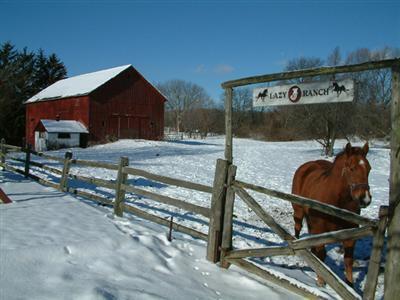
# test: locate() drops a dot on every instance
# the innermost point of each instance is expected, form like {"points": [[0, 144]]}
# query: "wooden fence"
{"points": [[119, 185], [220, 214]]}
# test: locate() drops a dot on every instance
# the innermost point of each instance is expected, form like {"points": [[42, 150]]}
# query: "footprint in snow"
{"points": [[67, 250]]}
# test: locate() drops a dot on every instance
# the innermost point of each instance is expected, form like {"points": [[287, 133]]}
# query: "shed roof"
{"points": [[69, 126], [78, 85]]}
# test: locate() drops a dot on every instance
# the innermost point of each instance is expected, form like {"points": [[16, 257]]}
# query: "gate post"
{"points": [[392, 270], [119, 192], [228, 125], [375, 259], [217, 211], [226, 244], [65, 172]]}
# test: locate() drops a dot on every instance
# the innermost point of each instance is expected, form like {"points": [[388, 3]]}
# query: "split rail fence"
{"points": [[220, 215]]}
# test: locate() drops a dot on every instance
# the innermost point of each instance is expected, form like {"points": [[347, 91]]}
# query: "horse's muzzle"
{"points": [[360, 192]]}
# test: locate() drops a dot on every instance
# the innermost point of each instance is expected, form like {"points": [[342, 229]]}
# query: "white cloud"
{"points": [[223, 69], [200, 69]]}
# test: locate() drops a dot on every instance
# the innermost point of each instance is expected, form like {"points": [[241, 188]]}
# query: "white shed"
{"points": [[54, 134]]}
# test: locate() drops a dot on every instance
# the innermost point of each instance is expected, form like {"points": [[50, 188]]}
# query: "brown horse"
{"points": [[343, 183]]}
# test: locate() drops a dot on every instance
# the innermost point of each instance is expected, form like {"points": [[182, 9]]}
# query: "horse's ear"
{"points": [[365, 149], [348, 149]]}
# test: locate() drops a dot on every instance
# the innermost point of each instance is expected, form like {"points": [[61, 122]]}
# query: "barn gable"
{"points": [[78, 85]]}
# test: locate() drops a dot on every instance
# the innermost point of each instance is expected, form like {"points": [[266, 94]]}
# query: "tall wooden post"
{"points": [[217, 211], [119, 192], [228, 125], [392, 271], [65, 172], [376, 253], [226, 244]]}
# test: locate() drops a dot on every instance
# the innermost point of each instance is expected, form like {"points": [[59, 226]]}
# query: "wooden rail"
{"points": [[322, 207], [371, 65], [110, 184], [95, 164], [168, 200], [265, 274], [259, 252], [169, 180]]}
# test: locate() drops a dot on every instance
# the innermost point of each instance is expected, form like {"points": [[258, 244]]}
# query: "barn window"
{"points": [[64, 135]]}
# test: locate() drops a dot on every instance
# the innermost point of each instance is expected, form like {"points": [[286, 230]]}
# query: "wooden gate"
{"points": [[300, 247], [222, 250]]}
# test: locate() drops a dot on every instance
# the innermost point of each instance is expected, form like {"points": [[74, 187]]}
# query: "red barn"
{"points": [[112, 103]]}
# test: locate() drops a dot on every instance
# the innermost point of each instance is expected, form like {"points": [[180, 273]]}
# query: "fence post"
{"points": [[64, 177], [27, 159], [3, 152], [217, 214], [226, 244], [119, 192], [392, 270], [375, 258]]}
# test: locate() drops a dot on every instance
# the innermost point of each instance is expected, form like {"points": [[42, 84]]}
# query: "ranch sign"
{"points": [[307, 93]]}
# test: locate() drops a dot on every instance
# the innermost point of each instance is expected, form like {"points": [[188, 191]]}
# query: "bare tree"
{"points": [[183, 97], [373, 93]]}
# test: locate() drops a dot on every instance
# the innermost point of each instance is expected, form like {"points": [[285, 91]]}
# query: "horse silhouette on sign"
{"points": [[262, 95], [338, 88]]}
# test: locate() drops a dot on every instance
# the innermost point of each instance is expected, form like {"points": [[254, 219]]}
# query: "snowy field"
{"points": [[267, 164]]}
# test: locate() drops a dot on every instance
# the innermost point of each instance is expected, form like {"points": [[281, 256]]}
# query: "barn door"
{"points": [[113, 126], [144, 128]]}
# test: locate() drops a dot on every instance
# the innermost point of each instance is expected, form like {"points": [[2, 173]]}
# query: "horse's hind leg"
{"points": [[348, 260], [298, 215]]}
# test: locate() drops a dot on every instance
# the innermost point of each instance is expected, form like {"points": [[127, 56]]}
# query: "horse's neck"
{"points": [[338, 178], [337, 174]]}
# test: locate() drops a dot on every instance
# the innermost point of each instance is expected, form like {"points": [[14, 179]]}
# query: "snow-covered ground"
{"points": [[262, 163]]}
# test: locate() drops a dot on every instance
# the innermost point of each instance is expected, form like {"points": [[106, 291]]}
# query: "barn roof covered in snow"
{"points": [[78, 85], [69, 126]]}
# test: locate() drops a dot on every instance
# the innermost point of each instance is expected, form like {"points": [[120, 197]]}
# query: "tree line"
{"points": [[23, 74], [190, 108]]}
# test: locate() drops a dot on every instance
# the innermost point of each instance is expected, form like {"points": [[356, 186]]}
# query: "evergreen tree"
{"points": [[22, 74]]}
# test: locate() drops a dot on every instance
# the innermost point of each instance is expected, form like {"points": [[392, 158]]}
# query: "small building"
{"points": [[111, 104], [55, 134]]}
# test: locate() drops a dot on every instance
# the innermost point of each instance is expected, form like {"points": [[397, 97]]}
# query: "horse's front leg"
{"points": [[348, 260], [298, 215]]}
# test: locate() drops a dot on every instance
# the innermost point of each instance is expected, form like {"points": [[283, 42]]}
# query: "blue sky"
{"points": [[205, 42]]}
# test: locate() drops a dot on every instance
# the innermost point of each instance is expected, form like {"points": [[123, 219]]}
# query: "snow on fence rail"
{"points": [[220, 214]]}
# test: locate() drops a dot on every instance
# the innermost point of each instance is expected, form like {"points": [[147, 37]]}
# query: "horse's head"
{"points": [[356, 170]]}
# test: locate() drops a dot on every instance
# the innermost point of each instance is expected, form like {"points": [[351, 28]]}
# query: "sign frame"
{"points": [[304, 93]]}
